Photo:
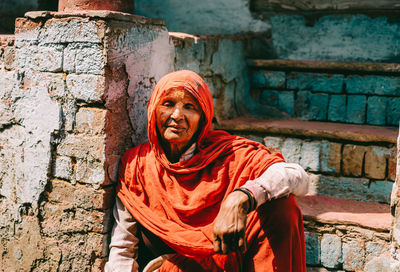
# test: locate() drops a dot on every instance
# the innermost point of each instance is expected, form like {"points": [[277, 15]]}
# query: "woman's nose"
{"points": [[177, 113]]}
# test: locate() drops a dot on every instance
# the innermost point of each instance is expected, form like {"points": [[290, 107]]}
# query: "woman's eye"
{"points": [[168, 104], [190, 107]]}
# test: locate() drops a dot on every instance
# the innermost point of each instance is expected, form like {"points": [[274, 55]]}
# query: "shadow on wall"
{"points": [[10, 10]]}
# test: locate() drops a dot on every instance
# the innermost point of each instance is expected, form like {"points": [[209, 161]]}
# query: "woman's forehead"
{"points": [[179, 93]]}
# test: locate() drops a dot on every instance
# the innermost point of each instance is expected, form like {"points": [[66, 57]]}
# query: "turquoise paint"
{"points": [[319, 106], [355, 111], [286, 102], [336, 38], [316, 82], [302, 105], [313, 248], [376, 110], [324, 157], [216, 17], [336, 109], [393, 111], [378, 85]]}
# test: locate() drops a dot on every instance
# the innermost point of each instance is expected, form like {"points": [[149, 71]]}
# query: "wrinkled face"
{"points": [[177, 117]]}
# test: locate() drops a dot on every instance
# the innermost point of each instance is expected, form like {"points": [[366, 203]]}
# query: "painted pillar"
{"points": [[395, 208], [111, 5]]}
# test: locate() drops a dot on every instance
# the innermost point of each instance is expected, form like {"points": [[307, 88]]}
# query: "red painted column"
{"points": [[112, 5]]}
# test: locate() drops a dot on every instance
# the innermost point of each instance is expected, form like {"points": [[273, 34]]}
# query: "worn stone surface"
{"points": [[353, 158], [331, 251], [310, 153], [88, 88], [313, 248], [376, 110], [353, 255], [291, 150], [336, 112], [319, 107], [375, 162], [268, 79], [355, 110], [273, 143], [315, 82], [330, 156]]}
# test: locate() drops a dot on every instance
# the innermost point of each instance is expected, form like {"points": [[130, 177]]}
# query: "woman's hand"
{"points": [[230, 224]]}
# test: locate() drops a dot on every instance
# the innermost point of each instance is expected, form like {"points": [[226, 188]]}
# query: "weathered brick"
{"points": [[84, 58], [393, 111], [268, 79], [330, 157], [319, 107], [353, 255], [90, 172], [63, 168], [89, 198], [68, 30], [315, 82], [353, 156], [353, 188], [26, 30], [90, 120], [88, 88], [355, 110], [392, 164], [286, 102], [380, 85], [331, 250], [313, 248], [49, 58], [302, 105], [373, 248], [336, 112], [376, 110], [310, 153], [291, 150], [381, 264], [54, 83], [274, 144], [375, 162], [270, 98], [78, 146]]}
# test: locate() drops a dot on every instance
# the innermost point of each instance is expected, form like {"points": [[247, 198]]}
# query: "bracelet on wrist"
{"points": [[252, 200]]}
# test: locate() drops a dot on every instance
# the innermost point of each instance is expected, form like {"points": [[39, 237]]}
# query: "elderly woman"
{"points": [[203, 200]]}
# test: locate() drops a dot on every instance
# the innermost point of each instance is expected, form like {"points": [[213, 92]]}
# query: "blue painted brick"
{"points": [[336, 108], [268, 79], [376, 110], [354, 188], [286, 102], [302, 105], [313, 248], [355, 111], [393, 111], [380, 85], [315, 82], [270, 98], [319, 107]]}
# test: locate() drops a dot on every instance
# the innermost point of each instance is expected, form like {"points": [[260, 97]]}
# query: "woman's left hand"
{"points": [[230, 224]]}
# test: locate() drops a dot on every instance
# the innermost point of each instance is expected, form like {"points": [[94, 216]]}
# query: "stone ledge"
{"points": [[103, 14], [326, 66], [343, 211], [314, 129]]}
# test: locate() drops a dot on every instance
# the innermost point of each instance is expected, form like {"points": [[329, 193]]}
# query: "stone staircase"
{"points": [[337, 120]]}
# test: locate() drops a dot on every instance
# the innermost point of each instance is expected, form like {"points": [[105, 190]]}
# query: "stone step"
{"points": [[356, 162], [345, 234], [347, 92]]}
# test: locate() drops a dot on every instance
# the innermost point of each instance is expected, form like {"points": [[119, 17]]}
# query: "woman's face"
{"points": [[177, 117]]}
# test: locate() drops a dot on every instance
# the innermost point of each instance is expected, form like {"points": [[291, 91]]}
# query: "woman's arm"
{"points": [[279, 180], [124, 243]]}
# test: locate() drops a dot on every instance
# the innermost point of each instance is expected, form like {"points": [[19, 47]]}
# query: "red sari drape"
{"points": [[179, 202]]}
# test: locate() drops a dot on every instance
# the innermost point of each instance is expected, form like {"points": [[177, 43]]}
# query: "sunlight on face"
{"points": [[177, 117]]}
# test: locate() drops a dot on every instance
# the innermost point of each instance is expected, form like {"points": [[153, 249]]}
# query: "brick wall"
{"points": [[356, 99]]}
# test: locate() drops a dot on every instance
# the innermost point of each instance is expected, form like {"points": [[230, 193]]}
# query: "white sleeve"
{"points": [[124, 243], [279, 180]]}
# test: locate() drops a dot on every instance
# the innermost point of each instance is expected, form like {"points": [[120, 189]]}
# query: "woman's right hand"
{"points": [[230, 224]]}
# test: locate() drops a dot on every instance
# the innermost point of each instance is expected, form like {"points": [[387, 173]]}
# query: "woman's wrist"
{"points": [[251, 201]]}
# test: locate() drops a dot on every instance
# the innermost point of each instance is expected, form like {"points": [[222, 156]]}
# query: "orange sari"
{"points": [[178, 202]]}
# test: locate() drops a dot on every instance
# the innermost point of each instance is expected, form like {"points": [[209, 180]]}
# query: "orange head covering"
{"points": [[178, 202]]}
